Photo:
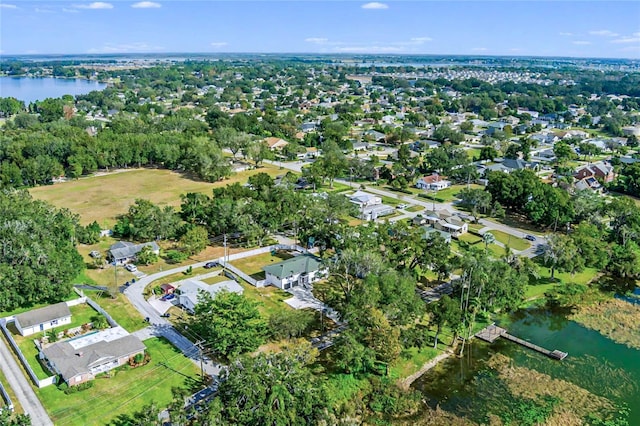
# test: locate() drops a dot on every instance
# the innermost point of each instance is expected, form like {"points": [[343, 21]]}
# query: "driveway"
{"points": [[161, 306], [22, 388]]}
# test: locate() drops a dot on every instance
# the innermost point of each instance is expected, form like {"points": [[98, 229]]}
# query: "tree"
{"points": [[146, 256], [445, 311], [271, 389], [7, 418], [194, 240], [38, 257], [257, 151], [475, 199], [488, 238], [289, 324], [560, 253], [230, 323]]}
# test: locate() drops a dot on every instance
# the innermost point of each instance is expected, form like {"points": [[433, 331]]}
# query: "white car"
{"points": [[401, 206], [131, 267]]}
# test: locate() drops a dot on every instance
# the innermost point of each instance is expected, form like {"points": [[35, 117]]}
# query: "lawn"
{"points": [[72, 295], [411, 361], [584, 277], [14, 400], [102, 198], [120, 309], [414, 209], [252, 265], [270, 298], [509, 240], [473, 153], [536, 291], [469, 238], [126, 392], [214, 280]]}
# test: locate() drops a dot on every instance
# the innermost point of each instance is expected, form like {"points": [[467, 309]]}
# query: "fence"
{"points": [[255, 252], [38, 382], [98, 308], [6, 398]]}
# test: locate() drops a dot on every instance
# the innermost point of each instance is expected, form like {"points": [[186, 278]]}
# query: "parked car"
{"points": [[167, 315], [529, 237], [210, 265], [168, 297], [131, 267], [95, 254], [401, 206]]}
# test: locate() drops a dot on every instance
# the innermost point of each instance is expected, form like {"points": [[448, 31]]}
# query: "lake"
{"points": [[468, 387], [31, 89]]}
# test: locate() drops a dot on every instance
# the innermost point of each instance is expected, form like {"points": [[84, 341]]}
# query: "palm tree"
{"points": [[488, 238]]}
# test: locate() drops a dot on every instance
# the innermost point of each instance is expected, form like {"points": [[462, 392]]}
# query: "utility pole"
{"points": [[224, 256], [198, 345]]}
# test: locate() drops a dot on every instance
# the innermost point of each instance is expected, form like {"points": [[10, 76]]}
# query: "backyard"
{"points": [[126, 391], [102, 198]]}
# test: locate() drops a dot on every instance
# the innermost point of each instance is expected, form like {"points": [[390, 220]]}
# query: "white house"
{"points": [[297, 271], [42, 319], [190, 291], [364, 199], [435, 182], [123, 252]]}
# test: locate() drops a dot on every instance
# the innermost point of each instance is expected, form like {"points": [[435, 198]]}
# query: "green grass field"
{"points": [[271, 299], [509, 240], [120, 309], [102, 198], [414, 209], [126, 392]]}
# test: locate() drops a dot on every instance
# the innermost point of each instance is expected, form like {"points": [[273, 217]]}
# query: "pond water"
{"points": [[595, 363], [32, 89]]}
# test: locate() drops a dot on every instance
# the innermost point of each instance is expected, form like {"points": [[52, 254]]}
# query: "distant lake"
{"points": [[37, 89]]}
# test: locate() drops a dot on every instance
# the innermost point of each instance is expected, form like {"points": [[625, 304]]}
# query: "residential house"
{"points": [[42, 319], [123, 252], [375, 135], [589, 182], [429, 231], [452, 225], [80, 359], [601, 171], [190, 291], [309, 126], [276, 144], [376, 211], [364, 199], [298, 271], [435, 182], [446, 221], [361, 146]]}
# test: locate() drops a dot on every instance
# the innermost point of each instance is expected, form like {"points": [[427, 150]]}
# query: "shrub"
{"points": [[176, 256]]}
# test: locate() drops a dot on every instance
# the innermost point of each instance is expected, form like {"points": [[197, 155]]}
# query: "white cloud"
{"points": [[317, 40], [39, 10], [566, 34], [634, 38], [479, 49], [146, 5], [581, 42], [139, 46], [94, 5], [375, 5], [421, 40], [604, 33], [8, 6], [219, 43], [65, 10]]}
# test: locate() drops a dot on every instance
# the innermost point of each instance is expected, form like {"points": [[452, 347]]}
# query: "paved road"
{"points": [[21, 387]]}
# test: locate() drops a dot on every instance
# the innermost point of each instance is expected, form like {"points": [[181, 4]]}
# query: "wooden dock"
{"points": [[491, 333]]}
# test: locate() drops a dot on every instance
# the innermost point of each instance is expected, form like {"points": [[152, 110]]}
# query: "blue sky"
{"points": [[553, 28]]}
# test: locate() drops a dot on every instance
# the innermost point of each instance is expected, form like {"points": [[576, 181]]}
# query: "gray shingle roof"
{"points": [[70, 361], [126, 250], [42, 315]]}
